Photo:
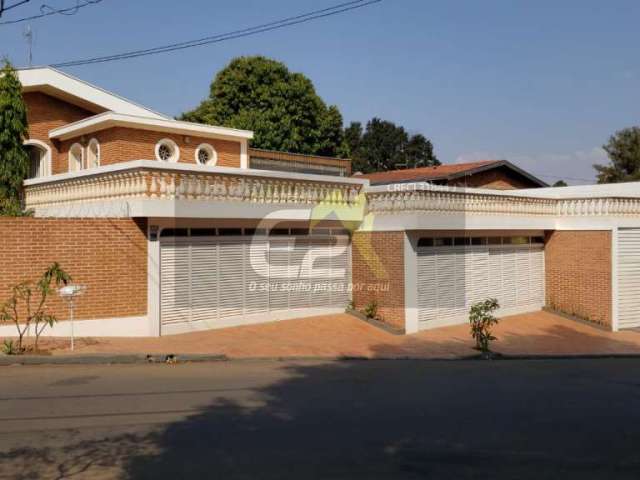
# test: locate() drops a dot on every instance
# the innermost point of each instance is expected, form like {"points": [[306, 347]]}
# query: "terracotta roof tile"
{"points": [[425, 173]]}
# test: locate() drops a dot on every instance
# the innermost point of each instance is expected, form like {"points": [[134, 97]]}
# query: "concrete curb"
{"points": [[132, 359]]}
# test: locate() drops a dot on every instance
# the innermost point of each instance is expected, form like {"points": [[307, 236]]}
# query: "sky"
{"points": [[540, 83]]}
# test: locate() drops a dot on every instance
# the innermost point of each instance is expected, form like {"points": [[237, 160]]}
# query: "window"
{"points": [[38, 158], [167, 150], [174, 232], [93, 154], [206, 155], [76, 157]]}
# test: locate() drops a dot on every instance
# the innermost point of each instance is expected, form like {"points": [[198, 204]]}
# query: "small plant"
{"points": [[351, 305], [25, 309], [481, 319], [371, 309], [9, 348]]}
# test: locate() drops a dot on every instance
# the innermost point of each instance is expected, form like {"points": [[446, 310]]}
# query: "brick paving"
{"points": [[539, 333]]}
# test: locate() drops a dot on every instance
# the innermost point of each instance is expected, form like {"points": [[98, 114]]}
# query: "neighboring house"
{"points": [[175, 226], [494, 174]]}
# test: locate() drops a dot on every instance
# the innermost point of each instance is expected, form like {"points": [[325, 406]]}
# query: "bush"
{"points": [[481, 320], [371, 310]]}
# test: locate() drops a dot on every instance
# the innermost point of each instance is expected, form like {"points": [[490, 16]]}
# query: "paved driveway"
{"points": [[344, 335]]}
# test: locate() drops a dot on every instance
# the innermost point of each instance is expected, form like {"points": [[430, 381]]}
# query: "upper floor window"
{"points": [[206, 155], [93, 153], [39, 158], [167, 150], [76, 157]]}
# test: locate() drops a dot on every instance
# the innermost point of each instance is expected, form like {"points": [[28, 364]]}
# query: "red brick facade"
{"points": [[378, 274], [109, 256], [578, 274]]}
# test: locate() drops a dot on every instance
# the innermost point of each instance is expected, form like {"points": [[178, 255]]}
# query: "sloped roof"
{"points": [[66, 87], [444, 172]]}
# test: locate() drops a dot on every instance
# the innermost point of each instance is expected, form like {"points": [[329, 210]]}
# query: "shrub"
{"points": [[481, 319], [371, 310]]}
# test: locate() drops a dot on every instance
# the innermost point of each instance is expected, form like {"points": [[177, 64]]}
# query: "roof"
{"points": [[66, 87], [445, 172], [111, 119]]}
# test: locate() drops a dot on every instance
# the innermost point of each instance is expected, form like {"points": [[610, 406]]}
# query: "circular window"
{"points": [[206, 155], [167, 151]]}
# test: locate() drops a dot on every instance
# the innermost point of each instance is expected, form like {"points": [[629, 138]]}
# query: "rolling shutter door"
{"points": [[451, 279], [219, 278], [628, 277]]}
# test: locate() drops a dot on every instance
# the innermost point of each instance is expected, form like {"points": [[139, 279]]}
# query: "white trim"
{"points": [[615, 326], [213, 154], [112, 119], [244, 154], [47, 155], [174, 147], [102, 327], [62, 85], [188, 167], [82, 156], [93, 141], [153, 280], [411, 322]]}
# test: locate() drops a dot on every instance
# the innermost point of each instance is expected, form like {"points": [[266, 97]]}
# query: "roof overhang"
{"points": [[111, 119], [70, 89]]}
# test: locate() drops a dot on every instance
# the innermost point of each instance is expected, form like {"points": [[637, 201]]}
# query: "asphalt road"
{"points": [[559, 419]]}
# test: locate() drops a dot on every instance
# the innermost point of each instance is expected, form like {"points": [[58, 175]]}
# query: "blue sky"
{"points": [[541, 83]]}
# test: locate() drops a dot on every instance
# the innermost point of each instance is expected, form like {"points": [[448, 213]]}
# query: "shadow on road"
{"points": [[383, 419]]}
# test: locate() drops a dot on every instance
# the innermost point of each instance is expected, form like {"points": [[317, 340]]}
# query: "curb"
{"points": [[139, 359]]}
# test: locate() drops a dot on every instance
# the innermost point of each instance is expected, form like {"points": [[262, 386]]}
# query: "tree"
{"points": [[482, 320], [14, 161], [23, 309], [281, 107], [623, 150], [385, 146], [560, 183]]}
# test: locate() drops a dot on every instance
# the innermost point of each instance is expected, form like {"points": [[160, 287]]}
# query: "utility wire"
{"points": [[46, 10], [266, 27], [17, 4]]}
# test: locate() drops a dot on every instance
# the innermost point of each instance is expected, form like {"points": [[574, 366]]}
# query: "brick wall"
{"points": [[497, 179], [45, 113], [120, 144], [378, 274], [578, 274], [109, 256]]}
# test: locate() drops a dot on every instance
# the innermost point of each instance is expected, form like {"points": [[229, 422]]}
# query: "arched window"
{"points": [[76, 157], [39, 158], [93, 153]]}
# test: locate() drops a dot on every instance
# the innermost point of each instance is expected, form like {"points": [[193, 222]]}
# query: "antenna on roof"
{"points": [[28, 35]]}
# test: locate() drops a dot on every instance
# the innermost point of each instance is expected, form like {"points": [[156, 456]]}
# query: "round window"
{"points": [[167, 151], [206, 155]]}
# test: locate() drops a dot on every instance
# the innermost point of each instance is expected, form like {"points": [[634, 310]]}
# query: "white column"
{"points": [[410, 283], [153, 280]]}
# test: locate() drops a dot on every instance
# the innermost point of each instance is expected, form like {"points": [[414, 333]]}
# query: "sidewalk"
{"points": [[343, 335]]}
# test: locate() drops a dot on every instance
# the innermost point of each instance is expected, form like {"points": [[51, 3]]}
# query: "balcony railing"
{"points": [[152, 180], [457, 201]]}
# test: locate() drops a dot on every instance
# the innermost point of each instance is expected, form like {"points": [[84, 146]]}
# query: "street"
{"points": [[324, 419]]}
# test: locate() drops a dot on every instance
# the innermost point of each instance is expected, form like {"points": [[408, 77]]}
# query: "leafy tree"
{"points": [[623, 149], [27, 305], [560, 183], [385, 146], [281, 107], [14, 161]]}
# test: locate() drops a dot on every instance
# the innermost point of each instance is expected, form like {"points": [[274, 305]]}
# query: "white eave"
{"points": [[111, 119], [66, 87]]}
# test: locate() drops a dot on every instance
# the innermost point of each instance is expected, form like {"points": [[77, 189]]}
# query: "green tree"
{"points": [[280, 106], [623, 150], [14, 161], [560, 183], [383, 145]]}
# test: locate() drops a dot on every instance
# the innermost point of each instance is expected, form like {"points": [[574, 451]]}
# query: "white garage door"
{"points": [[214, 281], [629, 277], [454, 273]]}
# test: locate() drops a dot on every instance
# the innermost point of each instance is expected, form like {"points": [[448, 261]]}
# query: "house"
{"points": [[175, 227], [494, 174]]}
